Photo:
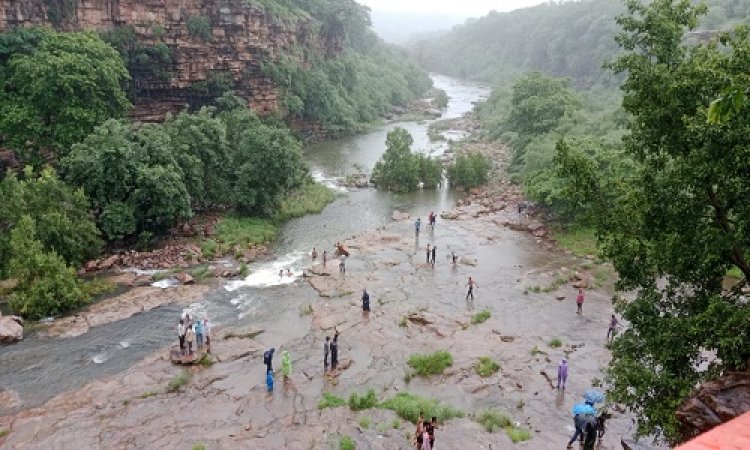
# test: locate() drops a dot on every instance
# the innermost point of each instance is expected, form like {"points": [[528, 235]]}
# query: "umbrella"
{"points": [[583, 409], [593, 396]]}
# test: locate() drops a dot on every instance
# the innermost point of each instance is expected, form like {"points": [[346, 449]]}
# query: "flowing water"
{"points": [[39, 368]]}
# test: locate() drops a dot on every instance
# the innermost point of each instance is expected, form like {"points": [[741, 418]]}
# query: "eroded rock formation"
{"points": [[716, 402], [209, 42]]}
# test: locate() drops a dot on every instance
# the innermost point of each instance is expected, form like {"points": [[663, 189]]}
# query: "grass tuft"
{"points": [[347, 443], [364, 422], [493, 420], [408, 406], [396, 424], [199, 446], [517, 434], [206, 361], [305, 310], [330, 401], [148, 394], [555, 343], [425, 365], [480, 317], [180, 380], [486, 366], [367, 401], [535, 351], [238, 335], [4, 433]]}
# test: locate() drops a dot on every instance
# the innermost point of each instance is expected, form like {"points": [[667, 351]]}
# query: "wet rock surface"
{"points": [[415, 308], [716, 402], [11, 329]]}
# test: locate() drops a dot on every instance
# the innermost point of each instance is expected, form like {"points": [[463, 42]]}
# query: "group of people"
{"points": [[286, 366], [431, 252], [432, 220], [424, 437], [189, 333], [340, 250], [332, 348]]}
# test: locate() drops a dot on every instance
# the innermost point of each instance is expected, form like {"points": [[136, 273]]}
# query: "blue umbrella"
{"points": [[593, 396], [583, 409]]}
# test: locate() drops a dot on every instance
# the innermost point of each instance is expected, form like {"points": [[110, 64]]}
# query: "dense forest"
{"points": [[655, 171], [78, 176], [563, 39]]}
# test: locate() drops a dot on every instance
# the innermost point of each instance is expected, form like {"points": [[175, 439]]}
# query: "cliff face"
{"points": [[208, 40]]}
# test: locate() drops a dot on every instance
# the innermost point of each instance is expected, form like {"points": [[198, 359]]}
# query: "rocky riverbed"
{"points": [[416, 308]]}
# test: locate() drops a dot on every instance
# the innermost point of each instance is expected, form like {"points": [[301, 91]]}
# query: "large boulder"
{"points": [[715, 402], [10, 330]]}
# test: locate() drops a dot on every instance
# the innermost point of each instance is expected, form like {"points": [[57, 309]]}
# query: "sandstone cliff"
{"points": [[208, 40]]}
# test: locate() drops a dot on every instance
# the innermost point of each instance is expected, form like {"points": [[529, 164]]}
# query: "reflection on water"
{"points": [[39, 368]]}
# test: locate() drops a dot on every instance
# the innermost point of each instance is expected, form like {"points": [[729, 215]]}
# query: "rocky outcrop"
{"points": [[242, 36], [11, 329], [715, 402]]}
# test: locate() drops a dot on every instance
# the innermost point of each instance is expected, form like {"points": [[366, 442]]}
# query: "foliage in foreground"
{"points": [[330, 401], [481, 317], [517, 434], [180, 380], [469, 170], [678, 216], [493, 420], [408, 406], [402, 170], [428, 364], [486, 366], [367, 401], [46, 285], [347, 443]]}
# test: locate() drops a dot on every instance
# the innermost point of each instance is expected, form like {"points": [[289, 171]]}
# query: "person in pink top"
{"points": [[579, 302]]}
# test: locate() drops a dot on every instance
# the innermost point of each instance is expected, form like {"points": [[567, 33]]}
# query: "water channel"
{"points": [[39, 368]]}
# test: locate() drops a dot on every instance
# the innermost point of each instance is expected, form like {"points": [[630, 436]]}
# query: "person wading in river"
{"points": [[471, 284], [434, 252], [314, 254], [429, 249]]}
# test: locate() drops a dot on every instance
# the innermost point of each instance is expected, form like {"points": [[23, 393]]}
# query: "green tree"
{"points": [[56, 94], [539, 103], [46, 286], [679, 220], [401, 170], [469, 170], [62, 220]]}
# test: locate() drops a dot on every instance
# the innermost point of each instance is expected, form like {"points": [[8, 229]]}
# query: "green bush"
{"points": [[364, 422], [199, 27], [555, 343], [408, 406], [347, 443], [486, 366], [330, 401], [469, 170], [367, 401], [46, 286], [180, 380], [401, 170], [517, 434], [480, 317], [493, 420], [430, 364]]}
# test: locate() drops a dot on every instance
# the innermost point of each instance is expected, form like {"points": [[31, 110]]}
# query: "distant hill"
{"points": [[568, 39], [399, 27]]}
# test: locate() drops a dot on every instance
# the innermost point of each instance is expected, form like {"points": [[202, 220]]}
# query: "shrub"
{"points": [[430, 364], [364, 422], [199, 27], [367, 401], [199, 446], [310, 198], [493, 420], [330, 401], [180, 380], [396, 424], [480, 317], [401, 170], [206, 361], [486, 366], [408, 406], [517, 434], [469, 170], [347, 443], [555, 343], [244, 231]]}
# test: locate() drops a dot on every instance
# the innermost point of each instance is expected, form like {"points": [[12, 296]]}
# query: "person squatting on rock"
{"points": [[268, 359], [562, 373], [365, 301]]}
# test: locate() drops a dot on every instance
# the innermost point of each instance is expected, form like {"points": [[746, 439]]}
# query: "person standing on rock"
{"points": [[286, 365], [613, 323], [207, 332], [190, 338], [181, 335], [417, 226], [579, 301], [562, 373], [434, 252], [429, 249], [454, 258], [471, 284], [342, 265], [365, 301], [268, 359], [431, 427], [199, 333], [314, 254], [335, 350], [269, 382], [433, 220], [325, 258], [326, 349]]}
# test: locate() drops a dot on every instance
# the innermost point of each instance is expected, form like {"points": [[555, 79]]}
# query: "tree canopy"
{"points": [[402, 170]]}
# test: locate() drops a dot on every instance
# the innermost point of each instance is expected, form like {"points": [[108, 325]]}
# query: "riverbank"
{"points": [[416, 308]]}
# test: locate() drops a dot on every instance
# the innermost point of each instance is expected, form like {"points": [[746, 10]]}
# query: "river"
{"points": [[39, 368]]}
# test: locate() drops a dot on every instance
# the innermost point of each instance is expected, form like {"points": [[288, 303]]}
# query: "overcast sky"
{"points": [[462, 8]]}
